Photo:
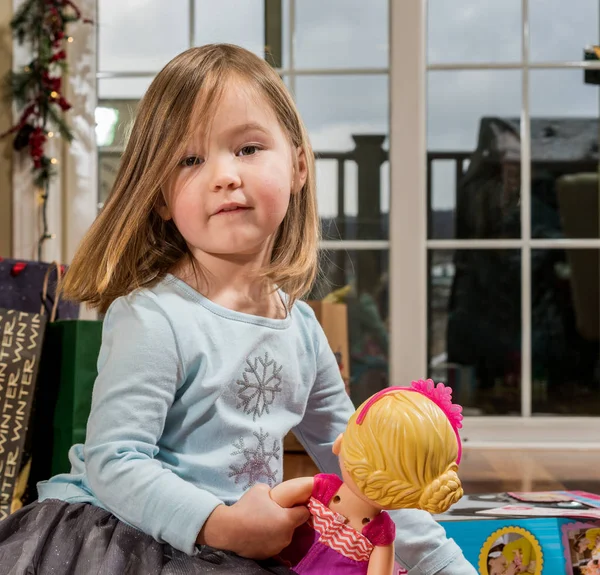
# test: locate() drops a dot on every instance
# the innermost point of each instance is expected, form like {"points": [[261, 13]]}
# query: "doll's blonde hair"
{"points": [[403, 454]]}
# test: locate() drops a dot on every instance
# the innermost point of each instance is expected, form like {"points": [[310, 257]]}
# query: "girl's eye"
{"points": [[191, 161], [248, 150]]}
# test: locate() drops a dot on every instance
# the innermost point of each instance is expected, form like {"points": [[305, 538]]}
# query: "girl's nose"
{"points": [[225, 176]]}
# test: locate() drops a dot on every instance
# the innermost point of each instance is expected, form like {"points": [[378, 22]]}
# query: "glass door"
{"points": [[512, 240]]}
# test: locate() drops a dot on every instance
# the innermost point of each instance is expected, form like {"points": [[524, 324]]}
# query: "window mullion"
{"points": [[526, 360]]}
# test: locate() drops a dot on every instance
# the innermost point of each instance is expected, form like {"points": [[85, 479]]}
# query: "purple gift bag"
{"points": [[21, 284]]}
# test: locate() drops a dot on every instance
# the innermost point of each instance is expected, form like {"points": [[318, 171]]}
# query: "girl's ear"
{"points": [[162, 209], [337, 444], [300, 171], [164, 212]]}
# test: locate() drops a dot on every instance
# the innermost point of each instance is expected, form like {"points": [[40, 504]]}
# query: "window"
{"points": [[334, 57], [513, 239]]}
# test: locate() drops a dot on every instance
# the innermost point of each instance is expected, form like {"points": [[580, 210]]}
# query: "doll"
{"points": [[401, 449]]}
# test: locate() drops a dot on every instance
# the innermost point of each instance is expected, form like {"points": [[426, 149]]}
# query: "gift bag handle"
{"points": [[58, 267]]}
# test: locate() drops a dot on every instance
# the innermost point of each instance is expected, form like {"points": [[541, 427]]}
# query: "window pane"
{"points": [[341, 34], [565, 321], [108, 165], [123, 88], [347, 119], [140, 35], [474, 31], [474, 327], [364, 274], [564, 150], [559, 31], [113, 121], [473, 146], [231, 21]]}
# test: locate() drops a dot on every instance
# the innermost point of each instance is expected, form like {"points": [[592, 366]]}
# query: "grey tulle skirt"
{"points": [[58, 538]]}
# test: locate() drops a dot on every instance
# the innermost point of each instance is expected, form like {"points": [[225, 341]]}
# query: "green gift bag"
{"points": [[68, 370], [78, 343]]}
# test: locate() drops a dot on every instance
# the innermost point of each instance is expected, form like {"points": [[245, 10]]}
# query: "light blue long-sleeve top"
{"points": [[190, 408]]}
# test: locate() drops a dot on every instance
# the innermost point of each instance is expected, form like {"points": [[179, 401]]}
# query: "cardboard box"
{"points": [[546, 533], [333, 318]]}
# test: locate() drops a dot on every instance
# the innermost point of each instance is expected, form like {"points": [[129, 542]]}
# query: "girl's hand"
{"points": [[255, 527]]}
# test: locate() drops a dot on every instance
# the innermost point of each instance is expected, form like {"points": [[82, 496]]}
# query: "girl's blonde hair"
{"points": [[130, 245], [404, 453]]}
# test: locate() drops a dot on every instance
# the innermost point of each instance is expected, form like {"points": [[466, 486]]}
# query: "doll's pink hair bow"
{"points": [[440, 394]]}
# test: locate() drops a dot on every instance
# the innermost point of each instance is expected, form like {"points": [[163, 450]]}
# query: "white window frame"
{"points": [[409, 243]]}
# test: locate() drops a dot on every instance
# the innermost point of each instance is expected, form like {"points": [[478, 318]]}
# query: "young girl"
{"points": [[208, 357], [401, 449]]}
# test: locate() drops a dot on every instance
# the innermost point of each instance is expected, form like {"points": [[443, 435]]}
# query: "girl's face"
{"points": [[232, 188]]}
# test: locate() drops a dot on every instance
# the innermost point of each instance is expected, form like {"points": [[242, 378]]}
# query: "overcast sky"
{"points": [[142, 35]]}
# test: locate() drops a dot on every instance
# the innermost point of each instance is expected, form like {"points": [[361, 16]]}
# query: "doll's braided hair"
{"points": [[401, 448]]}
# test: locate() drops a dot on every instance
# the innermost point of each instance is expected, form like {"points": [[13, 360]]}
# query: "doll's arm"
{"points": [[381, 561], [293, 492]]}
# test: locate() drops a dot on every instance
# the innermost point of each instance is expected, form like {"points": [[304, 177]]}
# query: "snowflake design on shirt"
{"points": [[259, 384], [258, 461]]}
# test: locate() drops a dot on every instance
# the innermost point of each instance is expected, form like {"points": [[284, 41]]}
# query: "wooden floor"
{"points": [[505, 470]]}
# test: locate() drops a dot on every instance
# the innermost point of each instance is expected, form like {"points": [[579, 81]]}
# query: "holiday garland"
{"points": [[37, 89]]}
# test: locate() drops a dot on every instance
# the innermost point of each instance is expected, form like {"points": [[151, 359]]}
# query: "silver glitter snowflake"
{"points": [[260, 383], [257, 464]]}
